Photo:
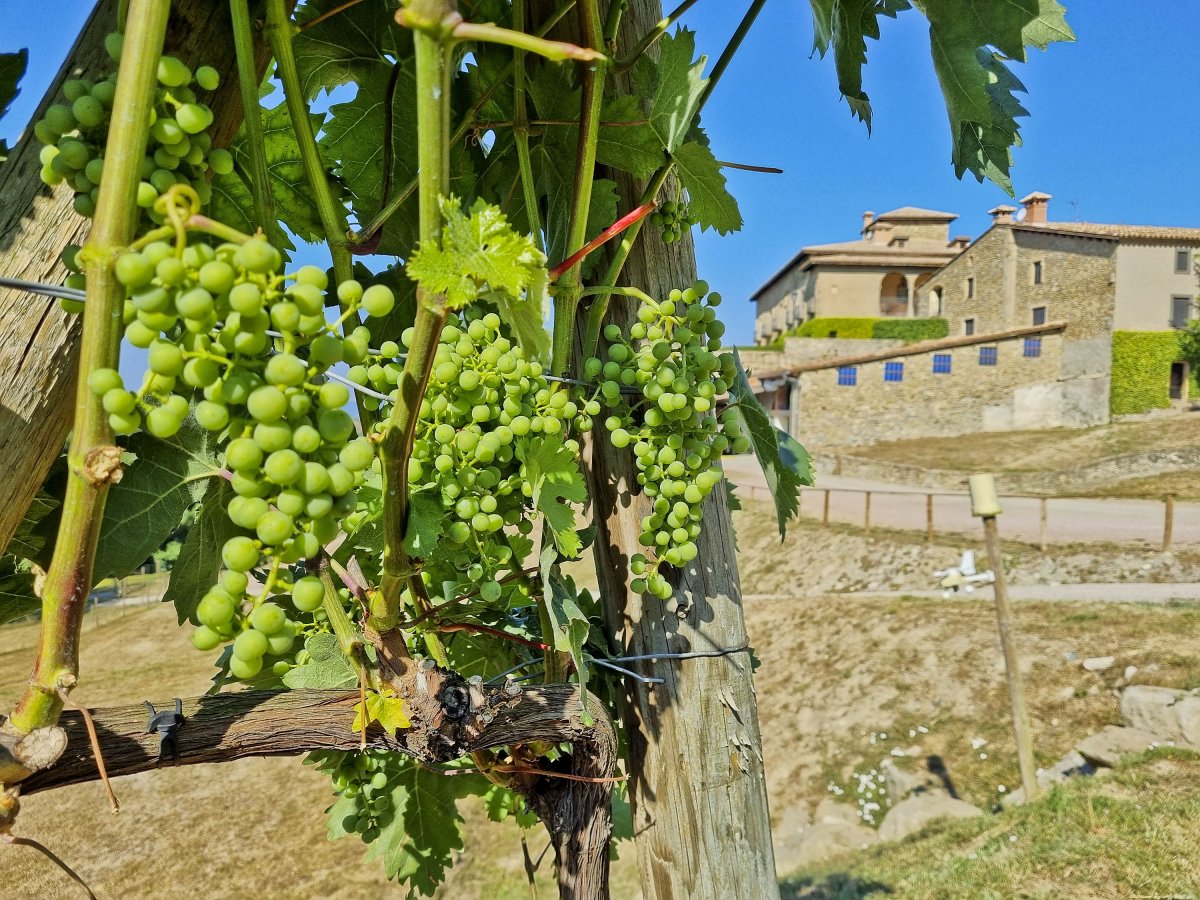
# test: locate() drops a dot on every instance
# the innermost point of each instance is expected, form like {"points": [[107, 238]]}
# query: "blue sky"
{"points": [[1112, 132]]}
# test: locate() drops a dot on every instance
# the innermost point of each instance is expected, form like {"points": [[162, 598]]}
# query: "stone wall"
{"points": [[985, 261], [1018, 392]]}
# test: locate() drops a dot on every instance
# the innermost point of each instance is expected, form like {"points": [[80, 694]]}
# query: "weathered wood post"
{"points": [[929, 518], [986, 504], [1042, 529], [825, 513], [867, 512], [1168, 521]]}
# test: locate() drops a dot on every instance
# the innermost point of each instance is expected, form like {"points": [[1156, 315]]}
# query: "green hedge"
{"points": [[910, 330], [845, 327], [1141, 370]]}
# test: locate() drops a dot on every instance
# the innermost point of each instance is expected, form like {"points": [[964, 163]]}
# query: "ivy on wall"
{"points": [[862, 328], [910, 330], [1141, 370]]}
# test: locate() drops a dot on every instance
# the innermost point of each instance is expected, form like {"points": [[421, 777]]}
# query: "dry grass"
{"points": [[1185, 485], [1036, 451], [835, 669]]}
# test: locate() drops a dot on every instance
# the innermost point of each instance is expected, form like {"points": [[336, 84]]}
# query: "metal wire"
{"points": [[38, 287]]}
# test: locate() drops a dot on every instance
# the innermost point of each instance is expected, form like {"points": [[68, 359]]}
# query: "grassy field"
{"points": [[1185, 485], [1132, 834], [838, 674], [1036, 451]]}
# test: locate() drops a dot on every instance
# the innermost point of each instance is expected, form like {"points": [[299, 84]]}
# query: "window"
{"points": [[1182, 262], [936, 305], [1039, 315], [971, 287], [968, 326], [847, 376], [941, 363], [1037, 271], [1181, 310], [987, 356], [1033, 347], [893, 371]]}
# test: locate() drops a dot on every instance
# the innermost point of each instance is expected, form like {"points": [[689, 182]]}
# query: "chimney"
{"points": [[867, 217], [962, 242], [1002, 214], [1035, 208]]}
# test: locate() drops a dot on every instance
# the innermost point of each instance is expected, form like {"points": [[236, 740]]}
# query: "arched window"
{"points": [[893, 295]]}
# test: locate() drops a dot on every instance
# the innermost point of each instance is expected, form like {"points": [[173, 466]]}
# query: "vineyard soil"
{"points": [[836, 670]]}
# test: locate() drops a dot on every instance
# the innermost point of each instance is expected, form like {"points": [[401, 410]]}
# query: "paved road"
{"points": [[1111, 592], [1069, 520]]}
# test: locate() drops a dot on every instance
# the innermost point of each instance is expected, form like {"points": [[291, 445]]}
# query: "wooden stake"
{"points": [[1168, 521], [825, 514], [1012, 666], [929, 518], [1042, 536], [867, 512]]}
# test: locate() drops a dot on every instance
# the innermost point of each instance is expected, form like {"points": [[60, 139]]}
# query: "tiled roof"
{"points": [[909, 213], [1133, 232]]}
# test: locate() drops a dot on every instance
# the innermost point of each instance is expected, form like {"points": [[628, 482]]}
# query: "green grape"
{"points": [[243, 454], [61, 119], [212, 416], [172, 72], [268, 618], [208, 78], [221, 161], [308, 594], [245, 668], [205, 638], [119, 402], [192, 117], [267, 403], [284, 369], [378, 300], [239, 554], [101, 381], [246, 511], [112, 45], [215, 609], [281, 641], [88, 111], [162, 422], [283, 467]]}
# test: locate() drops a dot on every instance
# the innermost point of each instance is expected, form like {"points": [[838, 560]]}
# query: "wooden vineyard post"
{"points": [[986, 505], [929, 518], [867, 512], [1042, 527], [1168, 521], [825, 513]]}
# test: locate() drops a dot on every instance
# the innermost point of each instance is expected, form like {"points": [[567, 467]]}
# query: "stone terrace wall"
{"points": [[1018, 392]]}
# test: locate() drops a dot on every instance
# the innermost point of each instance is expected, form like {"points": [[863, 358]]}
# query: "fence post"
{"points": [[1042, 529], [986, 505], [1168, 520], [929, 518], [867, 512], [825, 514]]}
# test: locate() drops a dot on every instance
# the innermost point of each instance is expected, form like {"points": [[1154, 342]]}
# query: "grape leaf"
{"points": [[12, 67], [501, 803], [568, 621], [28, 541], [327, 667], [482, 254], [631, 148], [674, 84], [785, 463], [199, 562], [380, 706], [552, 473], [17, 598], [426, 521], [149, 501], [350, 46], [708, 198], [419, 844], [971, 41]]}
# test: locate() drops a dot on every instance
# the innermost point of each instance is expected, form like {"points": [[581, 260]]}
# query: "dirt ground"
{"points": [[845, 680]]}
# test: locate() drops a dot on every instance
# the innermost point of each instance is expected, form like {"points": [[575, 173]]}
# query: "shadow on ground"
{"points": [[833, 886]]}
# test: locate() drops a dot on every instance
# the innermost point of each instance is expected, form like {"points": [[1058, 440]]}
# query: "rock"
{"points": [[1099, 663], [1110, 743], [1130, 671], [1172, 715], [901, 783], [826, 840], [911, 815], [830, 812], [788, 832], [1070, 766]]}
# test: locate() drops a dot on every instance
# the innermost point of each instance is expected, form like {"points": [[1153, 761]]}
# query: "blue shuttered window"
{"points": [[847, 376], [987, 356], [941, 363], [893, 371], [1033, 347]]}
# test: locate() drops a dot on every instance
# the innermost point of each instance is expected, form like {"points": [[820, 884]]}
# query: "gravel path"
{"points": [[1143, 592]]}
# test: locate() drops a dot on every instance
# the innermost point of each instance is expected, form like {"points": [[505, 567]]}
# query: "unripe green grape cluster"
{"points": [[293, 456], [672, 361], [673, 219], [368, 779], [179, 151], [486, 406]]}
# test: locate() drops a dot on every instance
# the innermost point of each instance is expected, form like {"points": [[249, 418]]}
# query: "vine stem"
{"points": [[93, 462], [651, 37], [434, 66], [566, 300], [600, 306], [247, 73], [520, 126], [365, 234]]}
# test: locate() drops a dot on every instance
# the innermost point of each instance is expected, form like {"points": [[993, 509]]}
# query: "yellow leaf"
{"points": [[383, 707]]}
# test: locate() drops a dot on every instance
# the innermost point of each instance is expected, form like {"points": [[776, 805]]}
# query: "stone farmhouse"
{"points": [[1051, 324], [877, 275]]}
